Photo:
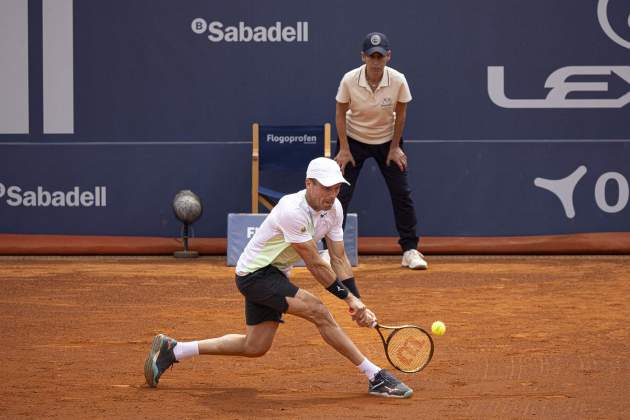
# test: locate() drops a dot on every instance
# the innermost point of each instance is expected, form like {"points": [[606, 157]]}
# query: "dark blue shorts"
{"points": [[265, 292]]}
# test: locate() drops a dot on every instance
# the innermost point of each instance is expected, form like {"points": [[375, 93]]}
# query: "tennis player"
{"points": [[289, 233]]}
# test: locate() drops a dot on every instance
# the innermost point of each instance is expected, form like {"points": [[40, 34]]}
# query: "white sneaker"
{"points": [[325, 255], [414, 260]]}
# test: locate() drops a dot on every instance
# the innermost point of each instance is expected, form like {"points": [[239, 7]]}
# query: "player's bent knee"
{"points": [[257, 345], [318, 312], [321, 315], [308, 298], [310, 307], [255, 350]]}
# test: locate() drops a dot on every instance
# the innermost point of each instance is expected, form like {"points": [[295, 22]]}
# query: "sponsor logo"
{"points": [[565, 187], [604, 22], [242, 32], [251, 230], [561, 88], [305, 138], [15, 196], [375, 39], [562, 83]]}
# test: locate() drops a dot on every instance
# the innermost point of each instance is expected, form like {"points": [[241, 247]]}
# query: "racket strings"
{"points": [[409, 349]]}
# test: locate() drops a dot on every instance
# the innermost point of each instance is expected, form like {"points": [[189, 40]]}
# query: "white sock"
{"points": [[186, 350], [369, 368]]}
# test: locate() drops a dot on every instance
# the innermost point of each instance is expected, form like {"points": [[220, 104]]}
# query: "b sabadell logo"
{"points": [[16, 196], [242, 32]]}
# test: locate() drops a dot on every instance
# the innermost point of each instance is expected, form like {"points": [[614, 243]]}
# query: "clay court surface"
{"points": [[537, 337]]}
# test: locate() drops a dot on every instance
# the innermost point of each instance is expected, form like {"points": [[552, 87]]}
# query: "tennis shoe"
{"points": [[414, 260], [160, 358], [385, 384]]}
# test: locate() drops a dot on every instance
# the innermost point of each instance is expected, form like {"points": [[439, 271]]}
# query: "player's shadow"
{"points": [[247, 400]]}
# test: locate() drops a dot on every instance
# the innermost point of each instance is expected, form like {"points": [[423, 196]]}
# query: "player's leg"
{"points": [[265, 302], [255, 343], [265, 293], [380, 381], [308, 306], [165, 351]]}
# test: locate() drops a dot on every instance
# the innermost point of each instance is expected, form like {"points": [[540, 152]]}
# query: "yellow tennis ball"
{"points": [[438, 328]]}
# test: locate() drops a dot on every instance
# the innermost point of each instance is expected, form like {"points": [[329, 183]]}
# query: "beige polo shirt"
{"points": [[370, 118]]}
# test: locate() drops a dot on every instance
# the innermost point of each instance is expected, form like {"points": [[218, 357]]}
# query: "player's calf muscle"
{"points": [[230, 344]]}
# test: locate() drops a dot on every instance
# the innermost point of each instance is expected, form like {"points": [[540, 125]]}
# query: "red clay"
{"points": [[542, 337]]}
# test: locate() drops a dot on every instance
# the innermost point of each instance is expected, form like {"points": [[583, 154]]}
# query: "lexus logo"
{"points": [[562, 84]]}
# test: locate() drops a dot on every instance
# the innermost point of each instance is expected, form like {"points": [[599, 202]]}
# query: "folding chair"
{"points": [[280, 155]]}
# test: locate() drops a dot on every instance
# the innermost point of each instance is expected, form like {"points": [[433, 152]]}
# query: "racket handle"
{"points": [[374, 324]]}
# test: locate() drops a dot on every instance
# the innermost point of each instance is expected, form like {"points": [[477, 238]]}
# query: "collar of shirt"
{"points": [[314, 215], [363, 78]]}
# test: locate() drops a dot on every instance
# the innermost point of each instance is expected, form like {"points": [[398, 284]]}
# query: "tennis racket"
{"points": [[408, 348]]}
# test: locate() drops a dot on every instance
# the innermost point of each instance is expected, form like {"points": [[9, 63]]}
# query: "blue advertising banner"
{"points": [[518, 123]]}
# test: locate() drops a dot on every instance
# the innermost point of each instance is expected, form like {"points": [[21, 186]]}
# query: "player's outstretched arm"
{"points": [[324, 274], [341, 265], [343, 269], [338, 259], [314, 262]]}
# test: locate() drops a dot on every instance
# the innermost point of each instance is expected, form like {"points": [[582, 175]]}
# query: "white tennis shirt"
{"points": [[292, 220], [371, 116]]}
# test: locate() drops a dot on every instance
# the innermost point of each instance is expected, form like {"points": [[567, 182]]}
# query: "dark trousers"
{"points": [[397, 183]]}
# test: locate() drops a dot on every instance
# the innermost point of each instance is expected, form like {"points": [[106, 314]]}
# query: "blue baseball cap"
{"points": [[375, 42]]}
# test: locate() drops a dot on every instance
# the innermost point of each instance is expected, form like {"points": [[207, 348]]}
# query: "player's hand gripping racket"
{"points": [[408, 348]]}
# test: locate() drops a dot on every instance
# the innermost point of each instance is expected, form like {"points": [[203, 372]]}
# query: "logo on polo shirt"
{"points": [[242, 32]]}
